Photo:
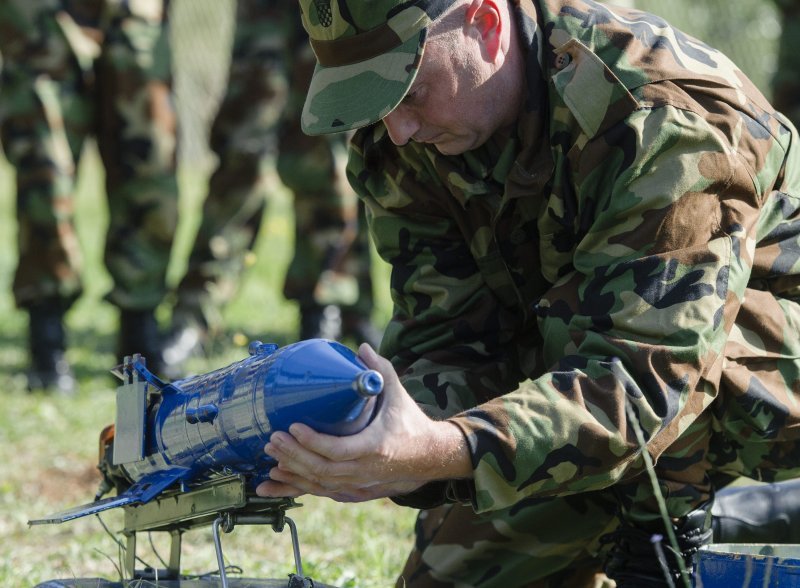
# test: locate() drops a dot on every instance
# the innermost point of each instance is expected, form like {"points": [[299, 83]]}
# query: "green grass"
{"points": [[48, 444]]}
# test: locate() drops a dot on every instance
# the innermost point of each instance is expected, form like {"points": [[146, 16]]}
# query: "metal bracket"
{"points": [[131, 415], [227, 521], [222, 502]]}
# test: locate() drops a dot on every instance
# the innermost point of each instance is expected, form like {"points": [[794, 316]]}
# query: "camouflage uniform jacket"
{"points": [[600, 259]]}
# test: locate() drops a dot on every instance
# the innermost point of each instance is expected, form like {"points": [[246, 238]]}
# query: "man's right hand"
{"points": [[401, 450]]}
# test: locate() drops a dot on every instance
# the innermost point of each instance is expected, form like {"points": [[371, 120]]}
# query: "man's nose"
{"points": [[400, 125]]}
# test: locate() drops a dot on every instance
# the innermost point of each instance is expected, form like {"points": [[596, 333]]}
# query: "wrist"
{"points": [[449, 452]]}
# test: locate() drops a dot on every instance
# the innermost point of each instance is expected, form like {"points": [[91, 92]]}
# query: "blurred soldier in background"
{"points": [[786, 81], [258, 121], [75, 69]]}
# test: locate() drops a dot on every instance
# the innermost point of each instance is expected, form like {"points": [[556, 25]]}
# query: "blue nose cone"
{"points": [[322, 384]]}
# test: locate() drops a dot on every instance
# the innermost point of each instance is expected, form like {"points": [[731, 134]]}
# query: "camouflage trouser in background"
{"points": [[73, 69], [786, 81], [258, 123]]}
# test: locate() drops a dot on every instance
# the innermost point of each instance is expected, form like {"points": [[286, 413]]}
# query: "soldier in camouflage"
{"points": [[73, 69], [259, 121], [592, 220]]}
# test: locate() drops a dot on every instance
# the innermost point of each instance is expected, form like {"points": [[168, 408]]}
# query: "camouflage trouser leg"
{"points": [[258, 120], [228, 229], [136, 137], [331, 263], [538, 543], [243, 136], [49, 252], [326, 224], [786, 80], [42, 120]]}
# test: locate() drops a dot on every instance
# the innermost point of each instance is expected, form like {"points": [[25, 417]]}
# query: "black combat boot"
{"points": [[138, 333], [49, 367], [758, 513], [320, 322], [641, 558]]}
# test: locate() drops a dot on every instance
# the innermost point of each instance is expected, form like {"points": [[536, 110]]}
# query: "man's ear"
{"points": [[486, 19]]}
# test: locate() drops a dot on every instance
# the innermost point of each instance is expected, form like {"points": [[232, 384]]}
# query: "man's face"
{"points": [[451, 104]]}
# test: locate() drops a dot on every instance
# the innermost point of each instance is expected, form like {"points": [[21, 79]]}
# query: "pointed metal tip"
{"points": [[369, 383]]}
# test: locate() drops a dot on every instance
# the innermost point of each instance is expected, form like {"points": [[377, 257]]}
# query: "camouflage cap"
{"points": [[368, 52]]}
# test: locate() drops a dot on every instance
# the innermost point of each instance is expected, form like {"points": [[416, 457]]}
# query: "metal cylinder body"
{"points": [[218, 423]]}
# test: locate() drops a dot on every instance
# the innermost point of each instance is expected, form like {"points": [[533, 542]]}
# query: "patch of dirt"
{"points": [[65, 486]]}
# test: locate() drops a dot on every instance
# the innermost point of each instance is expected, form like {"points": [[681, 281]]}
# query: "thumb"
{"points": [[381, 365], [374, 361]]}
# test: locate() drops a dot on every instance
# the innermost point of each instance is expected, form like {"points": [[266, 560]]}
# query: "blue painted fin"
{"points": [[154, 484], [82, 511], [143, 491]]}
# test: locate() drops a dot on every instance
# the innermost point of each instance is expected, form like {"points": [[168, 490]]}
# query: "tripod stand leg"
{"points": [[215, 528]]}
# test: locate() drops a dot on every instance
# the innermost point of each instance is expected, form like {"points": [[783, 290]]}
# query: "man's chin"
{"points": [[450, 148], [454, 146]]}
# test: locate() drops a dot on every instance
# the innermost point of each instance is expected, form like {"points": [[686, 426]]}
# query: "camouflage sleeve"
{"points": [[641, 320]]}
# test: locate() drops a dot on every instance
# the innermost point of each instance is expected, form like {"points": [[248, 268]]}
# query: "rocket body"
{"points": [[219, 422], [216, 424]]}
